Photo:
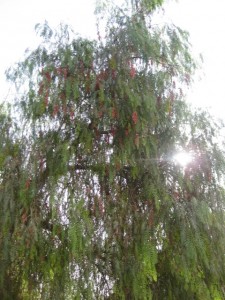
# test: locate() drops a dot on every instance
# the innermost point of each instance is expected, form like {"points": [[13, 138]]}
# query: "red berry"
{"points": [[132, 71], [135, 117]]}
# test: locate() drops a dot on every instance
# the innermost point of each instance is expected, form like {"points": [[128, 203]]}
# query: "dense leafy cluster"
{"points": [[92, 204]]}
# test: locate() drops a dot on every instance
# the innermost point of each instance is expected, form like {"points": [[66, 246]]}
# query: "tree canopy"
{"points": [[92, 203]]}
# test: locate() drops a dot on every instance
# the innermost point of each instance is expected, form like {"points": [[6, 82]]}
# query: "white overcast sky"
{"points": [[204, 19]]}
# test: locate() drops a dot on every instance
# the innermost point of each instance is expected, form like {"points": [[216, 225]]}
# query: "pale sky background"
{"points": [[204, 19]]}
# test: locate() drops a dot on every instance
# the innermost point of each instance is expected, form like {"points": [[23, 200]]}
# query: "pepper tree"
{"points": [[93, 205]]}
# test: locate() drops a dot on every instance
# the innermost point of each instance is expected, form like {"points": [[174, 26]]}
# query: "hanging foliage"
{"points": [[92, 203]]}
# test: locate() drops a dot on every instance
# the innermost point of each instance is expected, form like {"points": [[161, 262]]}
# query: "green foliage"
{"points": [[92, 204]]}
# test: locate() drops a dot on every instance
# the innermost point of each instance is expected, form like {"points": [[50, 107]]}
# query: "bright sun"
{"points": [[183, 158]]}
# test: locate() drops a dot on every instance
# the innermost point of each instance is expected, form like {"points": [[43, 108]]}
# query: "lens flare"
{"points": [[183, 158]]}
